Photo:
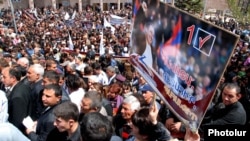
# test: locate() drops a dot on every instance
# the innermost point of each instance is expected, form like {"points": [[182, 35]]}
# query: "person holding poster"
{"points": [[175, 126], [146, 127], [149, 96]]}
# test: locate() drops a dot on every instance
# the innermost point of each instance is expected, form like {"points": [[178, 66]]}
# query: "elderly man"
{"points": [[122, 121], [34, 75], [24, 62], [92, 102]]}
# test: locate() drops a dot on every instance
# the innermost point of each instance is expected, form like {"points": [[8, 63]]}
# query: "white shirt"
{"points": [[148, 60], [3, 108], [81, 66], [103, 78], [76, 97]]}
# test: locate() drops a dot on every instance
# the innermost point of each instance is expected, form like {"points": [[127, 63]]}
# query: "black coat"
{"points": [[40, 107], [19, 104], [36, 88], [45, 124], [233, 114]]}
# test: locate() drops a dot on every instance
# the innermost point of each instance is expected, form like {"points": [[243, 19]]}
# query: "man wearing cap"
{"points": [[149, 95], [7, 56]]}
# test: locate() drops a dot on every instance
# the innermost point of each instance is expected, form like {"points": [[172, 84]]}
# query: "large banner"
{"points": [[116, 20], [180, 56]]}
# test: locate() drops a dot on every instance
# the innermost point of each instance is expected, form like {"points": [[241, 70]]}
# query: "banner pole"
{"points": [[204, 10], [13, 15]]}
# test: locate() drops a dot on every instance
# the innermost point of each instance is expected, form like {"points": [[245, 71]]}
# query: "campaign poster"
{"points": [[181, 56]]}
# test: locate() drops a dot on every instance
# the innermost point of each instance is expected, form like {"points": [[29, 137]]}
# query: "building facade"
{"points": [[23, 4]]}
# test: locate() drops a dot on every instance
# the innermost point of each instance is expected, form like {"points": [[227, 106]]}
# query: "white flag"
{"points": [[71, 45], [73, 15], [107, 24], [116, 20], [101, 49], [66, 16]]}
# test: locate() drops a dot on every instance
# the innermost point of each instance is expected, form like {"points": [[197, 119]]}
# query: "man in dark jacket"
{"points": [[34, 76], [66, 122], [18, 95], [50, 77], [230, 111], [51, 97]]}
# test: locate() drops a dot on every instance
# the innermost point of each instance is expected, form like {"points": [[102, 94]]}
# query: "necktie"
{"points": [[8, 93]]}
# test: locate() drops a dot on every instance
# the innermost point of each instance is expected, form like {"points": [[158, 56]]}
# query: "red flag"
{"points": [[172, 46]]}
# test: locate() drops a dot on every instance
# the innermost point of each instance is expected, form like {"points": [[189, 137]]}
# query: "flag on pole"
{"points": [[73, 15], [71, 45], [136, 7], [101, 49], [107, 24], [66, 16]]}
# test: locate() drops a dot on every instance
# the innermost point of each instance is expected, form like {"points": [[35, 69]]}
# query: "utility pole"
{"points": [[101, 5], [204, 10], [13, 15], [118, 4], [79, 6]]}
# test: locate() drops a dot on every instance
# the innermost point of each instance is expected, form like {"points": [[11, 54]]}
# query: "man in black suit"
{"points": [[18, 95], [51, 97], [34, 75]]}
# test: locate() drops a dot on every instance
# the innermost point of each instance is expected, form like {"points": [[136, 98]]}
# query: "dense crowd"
{"points": [[72, 92]]}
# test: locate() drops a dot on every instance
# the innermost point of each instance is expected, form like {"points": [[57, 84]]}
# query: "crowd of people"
{"points": [[78, 95], [237, 70]]}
